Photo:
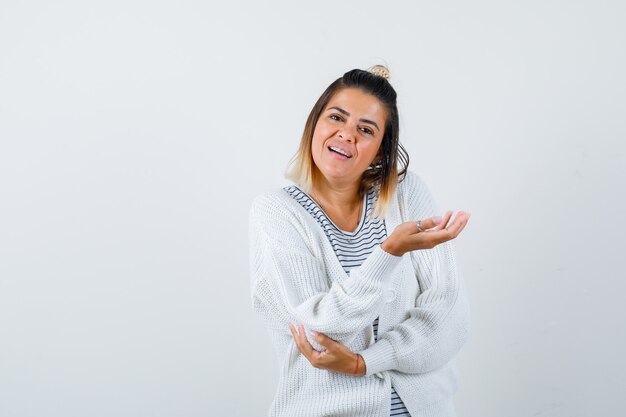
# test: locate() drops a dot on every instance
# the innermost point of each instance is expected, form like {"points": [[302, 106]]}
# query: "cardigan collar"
{"points": [[393, 218]]}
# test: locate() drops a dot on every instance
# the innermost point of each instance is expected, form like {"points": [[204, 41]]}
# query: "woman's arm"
{"points": [[438, 325], [433, 333], [435, 328], [290, 283]]}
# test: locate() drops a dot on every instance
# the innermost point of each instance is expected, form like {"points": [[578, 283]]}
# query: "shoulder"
{"points": [[275, 212], [414, 192], [412, 184], [270, 201], [273, 204]]}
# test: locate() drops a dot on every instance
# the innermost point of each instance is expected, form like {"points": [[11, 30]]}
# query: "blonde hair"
{"points": [[384, 173]]}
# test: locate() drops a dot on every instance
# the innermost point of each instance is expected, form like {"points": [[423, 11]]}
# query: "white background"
{"points": [[134, 135]]}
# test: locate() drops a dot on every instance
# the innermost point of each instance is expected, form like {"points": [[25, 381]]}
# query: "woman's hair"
{"points": [[390, 165]]}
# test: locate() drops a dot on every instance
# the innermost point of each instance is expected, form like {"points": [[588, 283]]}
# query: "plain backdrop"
{"points": [[134, 135]]}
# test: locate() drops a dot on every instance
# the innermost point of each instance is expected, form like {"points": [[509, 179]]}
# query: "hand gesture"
{"points": [[336, 356], [424, 234]]}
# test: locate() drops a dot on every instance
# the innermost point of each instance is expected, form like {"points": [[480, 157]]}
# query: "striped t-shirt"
{"points": [[352, 248]]}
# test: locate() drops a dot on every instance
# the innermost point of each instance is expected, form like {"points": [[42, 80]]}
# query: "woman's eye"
{"points": [[367, 131], [335, 117]]}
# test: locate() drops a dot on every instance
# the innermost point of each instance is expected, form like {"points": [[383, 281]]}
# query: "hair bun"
{"points": [[380, 70]]}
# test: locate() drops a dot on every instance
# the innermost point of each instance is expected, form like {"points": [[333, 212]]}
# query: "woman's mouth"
{"points": [[339, 151]]}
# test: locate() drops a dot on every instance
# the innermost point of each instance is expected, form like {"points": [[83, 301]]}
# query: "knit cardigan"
{"points": [[419, 298]]}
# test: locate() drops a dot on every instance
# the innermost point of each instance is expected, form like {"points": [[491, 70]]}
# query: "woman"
{"points": [[353, 271]]}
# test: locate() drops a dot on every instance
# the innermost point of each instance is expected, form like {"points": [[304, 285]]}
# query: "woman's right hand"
{"points": [[407, 237]]}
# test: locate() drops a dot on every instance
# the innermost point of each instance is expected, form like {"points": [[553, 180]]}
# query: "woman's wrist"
{"points": [[389, 247], [358, 366], [361, 369]]}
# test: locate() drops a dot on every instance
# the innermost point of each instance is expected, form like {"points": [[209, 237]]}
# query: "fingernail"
{"points": [[437, 219], [313, 333], [295, 327]]}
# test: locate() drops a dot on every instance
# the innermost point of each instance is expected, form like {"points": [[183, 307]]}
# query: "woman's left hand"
{"points": [[337, 357]]}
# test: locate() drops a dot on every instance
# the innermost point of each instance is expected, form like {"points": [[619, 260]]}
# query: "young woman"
{"points": [[353, 271]]}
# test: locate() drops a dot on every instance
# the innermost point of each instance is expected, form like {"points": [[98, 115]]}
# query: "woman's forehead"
{"points": [[357, 102]]}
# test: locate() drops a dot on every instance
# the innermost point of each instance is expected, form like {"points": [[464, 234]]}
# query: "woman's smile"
{"points": [[340, 151]]}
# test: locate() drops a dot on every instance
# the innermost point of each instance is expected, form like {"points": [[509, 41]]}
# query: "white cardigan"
{"points": [[419, 297]]}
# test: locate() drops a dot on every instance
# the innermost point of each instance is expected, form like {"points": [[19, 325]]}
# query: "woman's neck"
{"points": [[341, 202], [339, 196]]}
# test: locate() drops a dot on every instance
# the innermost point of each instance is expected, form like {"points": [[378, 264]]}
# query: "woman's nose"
{"points": [[346, 135]]}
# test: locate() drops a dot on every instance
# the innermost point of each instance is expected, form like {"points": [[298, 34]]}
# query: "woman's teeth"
{"points": [[339, 151]]}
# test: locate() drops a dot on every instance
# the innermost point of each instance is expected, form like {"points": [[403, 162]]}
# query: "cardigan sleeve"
{"points": [[438, 325], [291, 284]]}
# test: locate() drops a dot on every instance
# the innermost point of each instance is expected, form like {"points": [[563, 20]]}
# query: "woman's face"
{"points": [[348, 135]]}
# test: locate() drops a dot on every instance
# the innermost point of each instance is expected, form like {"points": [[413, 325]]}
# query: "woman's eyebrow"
{"points": [[344, 112]]}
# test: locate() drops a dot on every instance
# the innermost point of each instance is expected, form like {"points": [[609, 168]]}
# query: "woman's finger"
{"points": [[438, 235], [294, 333], [457, 224], [303, 345], [463, 223], [313, 355], [428, 223], [323, 340], [444, 221], [453, 229]]}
